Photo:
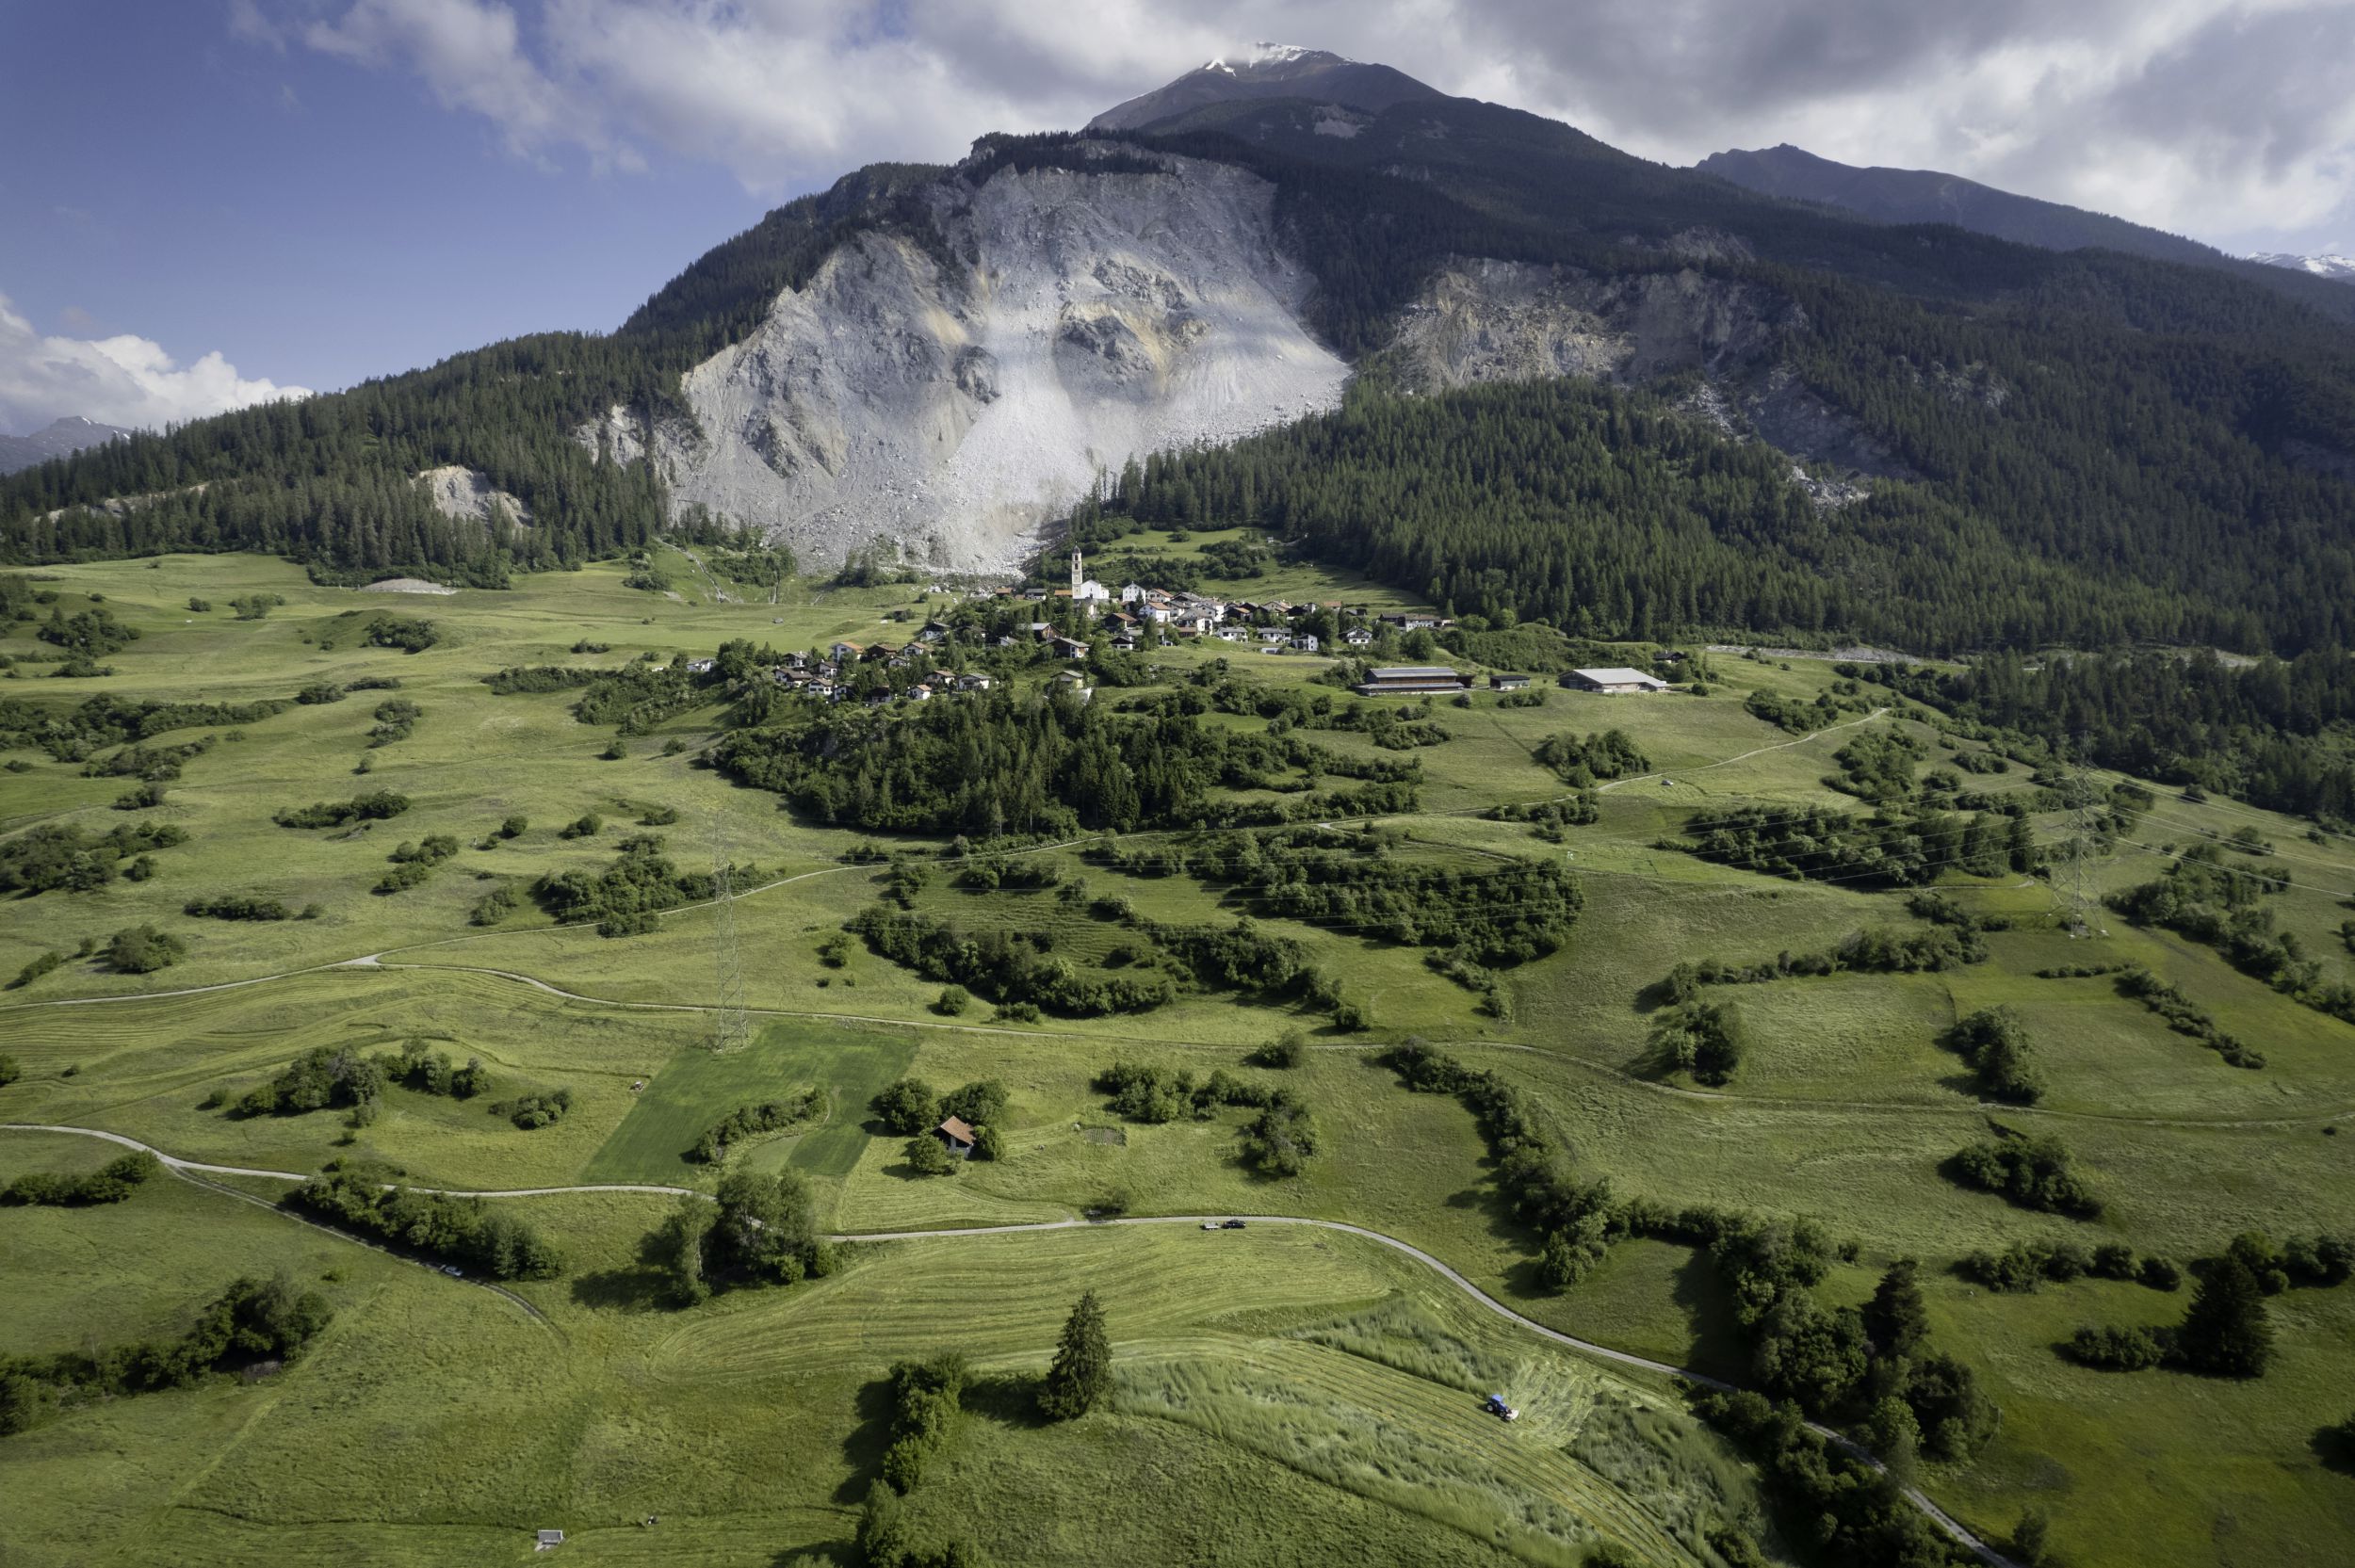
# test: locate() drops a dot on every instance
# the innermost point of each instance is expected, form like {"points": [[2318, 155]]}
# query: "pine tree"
{"points": [[1083, 1369], [1895, 1318], [2225, 1332]]}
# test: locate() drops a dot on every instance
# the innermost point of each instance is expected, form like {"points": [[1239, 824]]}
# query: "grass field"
{"points": [[1276, 1396]]}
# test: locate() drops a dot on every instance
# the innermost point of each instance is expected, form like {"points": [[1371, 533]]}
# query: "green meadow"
{"points": [[1282, 1394]]}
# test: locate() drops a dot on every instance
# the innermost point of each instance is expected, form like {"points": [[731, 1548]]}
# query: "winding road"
{"points": [[196, 1170]]}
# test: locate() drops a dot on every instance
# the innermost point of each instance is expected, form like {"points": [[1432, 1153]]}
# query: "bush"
{"points": [[142, 950], [1995, 1043], [587, 825], [906, 1108], [462, 1230], [10, 1070], [513, 826], [229, 906], [952, 1001], [112, 1183], [33, 969], [2031, 1173], [377, 805], [538, 1108], [929, 1156], [1287, 1050], [2133, 1349]]}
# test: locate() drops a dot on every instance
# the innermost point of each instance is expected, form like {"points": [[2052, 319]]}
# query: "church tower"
{"points": [[1078, 577]]}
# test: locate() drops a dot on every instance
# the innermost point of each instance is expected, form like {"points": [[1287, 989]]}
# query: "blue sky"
{"points": [[211, 201], [315, 221]]}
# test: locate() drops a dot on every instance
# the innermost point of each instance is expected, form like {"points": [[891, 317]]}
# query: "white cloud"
{"points": [[2195, 115], [116, 381]]}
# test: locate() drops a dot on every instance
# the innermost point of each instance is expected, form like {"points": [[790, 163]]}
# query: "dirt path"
{"points": [[193, 1170]]}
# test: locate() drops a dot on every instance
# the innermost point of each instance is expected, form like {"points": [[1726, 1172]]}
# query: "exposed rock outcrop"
{"points": [[467, 494], [947, 411]]}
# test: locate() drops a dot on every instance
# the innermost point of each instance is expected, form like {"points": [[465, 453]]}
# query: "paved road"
{"points": [[194, 1169]]}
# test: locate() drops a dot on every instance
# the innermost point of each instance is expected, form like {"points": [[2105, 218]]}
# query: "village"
{"points": [[1075, 627]]}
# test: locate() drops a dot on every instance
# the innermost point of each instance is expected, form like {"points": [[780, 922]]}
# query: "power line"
{"points": [[730, 1030]]}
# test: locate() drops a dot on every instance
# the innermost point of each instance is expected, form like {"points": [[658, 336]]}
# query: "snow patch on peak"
{"points": [[1272, 54], [2329, 264]]}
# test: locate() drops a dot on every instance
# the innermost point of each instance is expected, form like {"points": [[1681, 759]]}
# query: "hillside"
{"points": [[938, 363], [1638, 1014]]}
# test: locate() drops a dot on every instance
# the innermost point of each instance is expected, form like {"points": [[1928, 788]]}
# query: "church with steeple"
{"points": [[1086, 590]]}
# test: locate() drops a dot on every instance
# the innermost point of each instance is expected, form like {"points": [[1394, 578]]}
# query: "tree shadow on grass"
{"points": [[1010, 1398], [843, 1554], [2335, 1446], [641, 1287], [864, 1448], [1716, 1347]]}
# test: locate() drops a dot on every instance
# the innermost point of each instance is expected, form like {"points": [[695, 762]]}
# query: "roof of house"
{"points": [[957, 1128], [1618, 675], [1417, 672]]}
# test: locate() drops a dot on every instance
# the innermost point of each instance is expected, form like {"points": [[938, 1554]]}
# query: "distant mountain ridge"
{"points": [[58, 438], [1928, 196], [1270, 70], [2336, 268]]}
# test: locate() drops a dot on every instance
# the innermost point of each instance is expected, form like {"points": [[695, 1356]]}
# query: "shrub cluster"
{"points": [[414, 864], [253, 1320], [540, 1108], [749, 1121], [1705, 1038], [761, 1230], [236, 906], [1995, 1043], [377, 805], [61, 856], [1611, 754], [143, 949], [396, 719], [2030, 1172], [110, 1184], [460, 1230], [2182, 1017], [624, 898]]}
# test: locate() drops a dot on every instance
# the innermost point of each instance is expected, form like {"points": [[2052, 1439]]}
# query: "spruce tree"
{"points": [[1083, 1369], [2225, 1332], [1895, 1318]]}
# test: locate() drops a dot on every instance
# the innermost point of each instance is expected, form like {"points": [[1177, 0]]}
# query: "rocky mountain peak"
{"points": [[1268, 71]]}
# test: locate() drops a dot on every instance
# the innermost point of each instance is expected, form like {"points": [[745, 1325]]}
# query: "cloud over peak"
{"points": [[2207, 115], [123, 379]]}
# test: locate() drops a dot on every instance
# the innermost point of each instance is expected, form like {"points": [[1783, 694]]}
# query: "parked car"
{"points": [[454, 1271], [1233, 1226], [1210, 1224]]}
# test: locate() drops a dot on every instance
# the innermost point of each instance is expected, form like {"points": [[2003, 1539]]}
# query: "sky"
{"points": [[214, 202]]}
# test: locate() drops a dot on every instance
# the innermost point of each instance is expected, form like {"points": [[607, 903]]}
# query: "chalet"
{"points": [[1613, 680], [974, 682], [942, 680], [1306, 641], [1132, 592], [1067, 647], [1413, 680], [958, 1134], [842, 652], [881, 651], [1417, 621], [1067, 680], [1358, 637], [920, 692], [1508, 683], [1229, 633], [699, 667], [547, 1541], [1272, 634]]}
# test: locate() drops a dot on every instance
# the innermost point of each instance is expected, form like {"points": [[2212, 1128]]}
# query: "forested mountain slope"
{"points": [[1996, 445]]}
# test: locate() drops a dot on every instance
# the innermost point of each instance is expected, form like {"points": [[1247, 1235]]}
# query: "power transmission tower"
{"points": [[729, 1029]]}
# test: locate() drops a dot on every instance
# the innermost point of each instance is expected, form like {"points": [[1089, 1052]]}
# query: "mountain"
{"points": [[2337, 269], [54, 440], [1926, 196], [1465, 349], [1270, 70]]}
